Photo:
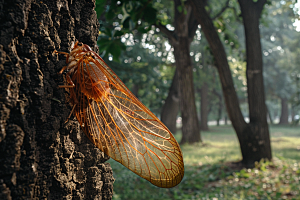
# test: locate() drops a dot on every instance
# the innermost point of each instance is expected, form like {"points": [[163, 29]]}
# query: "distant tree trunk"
{"points": [[181, 38], [226, 120], [284, 117], [42, 157], [220, 108], [204, 107], [135, 90], [260, 138], [171, 107], [190, 125], [293, 114], [269, 115], [253, 137]]}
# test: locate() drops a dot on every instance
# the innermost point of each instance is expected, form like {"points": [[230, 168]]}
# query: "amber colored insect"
{"points": [[117, 122]]}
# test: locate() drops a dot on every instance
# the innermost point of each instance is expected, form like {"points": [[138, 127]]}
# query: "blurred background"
{"points": [[224, 76]]}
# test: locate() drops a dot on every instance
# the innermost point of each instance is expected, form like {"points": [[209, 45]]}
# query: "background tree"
{"points": [[147, 70], [254, 136], [170, 108], [41, 156], [141, 15]]}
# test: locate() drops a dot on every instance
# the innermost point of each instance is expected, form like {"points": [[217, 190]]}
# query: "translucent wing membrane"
{"points": [[121, 126]]}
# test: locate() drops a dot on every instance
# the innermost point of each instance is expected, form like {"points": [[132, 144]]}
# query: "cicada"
{"points": [[117, 122]]}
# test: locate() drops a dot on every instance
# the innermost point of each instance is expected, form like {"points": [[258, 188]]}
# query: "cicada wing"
{"points": [[123, 128]]}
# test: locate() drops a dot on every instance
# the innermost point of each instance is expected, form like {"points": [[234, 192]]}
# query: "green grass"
{"points": [[209, 176]]}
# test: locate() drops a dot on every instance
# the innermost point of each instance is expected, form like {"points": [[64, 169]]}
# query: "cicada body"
{"points": [[117, 122]]}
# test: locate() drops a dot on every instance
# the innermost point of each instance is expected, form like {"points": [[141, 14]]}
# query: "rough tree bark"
{"points": [[185, 28], [254, 137], [42, 157], [284, 116], [171, 107]]}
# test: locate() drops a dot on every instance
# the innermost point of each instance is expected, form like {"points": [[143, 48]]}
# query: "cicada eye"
{"points": [[79, 44]]}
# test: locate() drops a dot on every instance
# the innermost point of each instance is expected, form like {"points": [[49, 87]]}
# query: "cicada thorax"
{"points": [[89, 80]]}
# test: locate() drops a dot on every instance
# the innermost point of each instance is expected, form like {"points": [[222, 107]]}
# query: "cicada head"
{"points": [[79, 47], [78, 51]]}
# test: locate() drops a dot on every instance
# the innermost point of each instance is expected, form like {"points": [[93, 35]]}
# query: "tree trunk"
{"points": [[260, 138], [204, 107], [226, 120], [181, 38], [284, 117], [269, 115], [293, 114], [42, 157], [135, 90], [171, 107], [253, 137], [220, 108], [190, 124]]}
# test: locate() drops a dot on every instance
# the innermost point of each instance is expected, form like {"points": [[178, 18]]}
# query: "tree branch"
{"points": [[192, 25], [260, 4], [170, 34], [222, 10]]}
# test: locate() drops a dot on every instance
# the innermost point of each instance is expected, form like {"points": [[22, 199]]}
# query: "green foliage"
{"points": [[100, 6], [139, 58], [226, 22], [112, 45], [280, 49], [143, 70], [209, 175], [123, 17]]}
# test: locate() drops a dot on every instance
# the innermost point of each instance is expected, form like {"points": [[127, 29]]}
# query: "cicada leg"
{"points": [[67, 55], [72, 85], [70, 113], [60, 52], [69, 80]]}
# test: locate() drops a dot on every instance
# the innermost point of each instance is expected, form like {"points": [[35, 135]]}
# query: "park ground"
{"points": [[212, 171]]}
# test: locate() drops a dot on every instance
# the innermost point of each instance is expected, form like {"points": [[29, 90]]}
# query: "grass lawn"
{"points": [[208, 174]]}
